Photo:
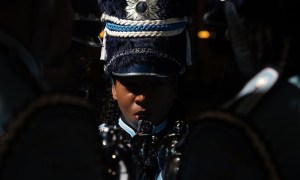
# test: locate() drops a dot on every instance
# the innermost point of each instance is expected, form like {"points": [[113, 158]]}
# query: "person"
{"points": [[255, 134], [143, 67], [42, 134], [146, 49]]}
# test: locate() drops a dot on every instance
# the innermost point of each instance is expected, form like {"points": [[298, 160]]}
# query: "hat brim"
{"points": [[142, 70]]}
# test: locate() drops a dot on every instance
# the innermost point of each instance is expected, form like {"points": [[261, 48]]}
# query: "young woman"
{"points": [[146, 49]]}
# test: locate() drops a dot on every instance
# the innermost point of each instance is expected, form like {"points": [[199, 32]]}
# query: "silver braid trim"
{"points": [[106, 17], [144, 33], [142, 51]]}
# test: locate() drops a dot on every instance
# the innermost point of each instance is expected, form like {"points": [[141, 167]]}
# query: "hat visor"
{"points": [[140, 74], [142, 70]]}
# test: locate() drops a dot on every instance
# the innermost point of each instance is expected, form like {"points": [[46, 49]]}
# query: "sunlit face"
{"points": [[152, 96]]}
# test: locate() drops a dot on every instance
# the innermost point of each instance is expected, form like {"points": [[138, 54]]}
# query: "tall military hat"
{"points": [[145, 37]]}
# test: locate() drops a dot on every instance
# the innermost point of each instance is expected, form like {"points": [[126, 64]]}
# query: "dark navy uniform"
{"points": [[42, 136], [256, 134]]}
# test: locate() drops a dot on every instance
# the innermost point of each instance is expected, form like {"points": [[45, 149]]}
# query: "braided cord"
{"points": [[106, 17], [161, 27], [144, 33], [141, 51]]}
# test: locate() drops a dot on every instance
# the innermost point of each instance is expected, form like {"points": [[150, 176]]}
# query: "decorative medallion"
{"points": [[142, 9]]}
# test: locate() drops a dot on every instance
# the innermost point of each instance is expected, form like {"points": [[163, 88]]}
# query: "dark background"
{"points": [[214, 76]]}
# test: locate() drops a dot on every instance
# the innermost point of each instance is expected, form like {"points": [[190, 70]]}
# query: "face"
{"points": [[147, 95]]}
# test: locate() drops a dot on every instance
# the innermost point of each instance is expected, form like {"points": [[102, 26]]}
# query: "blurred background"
{"points": [[214, 76]]}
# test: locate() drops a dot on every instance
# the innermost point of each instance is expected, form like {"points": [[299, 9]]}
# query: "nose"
{"points": [[144, 97], [140, 99]]}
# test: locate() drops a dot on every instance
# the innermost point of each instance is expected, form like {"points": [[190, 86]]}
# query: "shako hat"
{"points": [[145, 37]]}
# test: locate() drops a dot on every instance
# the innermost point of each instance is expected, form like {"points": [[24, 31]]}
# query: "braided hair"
{"points": [[110, 112]]}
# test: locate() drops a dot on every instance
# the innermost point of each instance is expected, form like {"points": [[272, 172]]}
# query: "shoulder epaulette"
{"points": [[253, 91]]}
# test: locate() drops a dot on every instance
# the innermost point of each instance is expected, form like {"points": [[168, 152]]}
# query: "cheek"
{"points": [[127, 107], [125, 99], [168, 101]]}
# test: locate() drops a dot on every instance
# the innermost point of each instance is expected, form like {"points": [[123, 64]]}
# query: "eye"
{"points": [[158, 83], [132, 88]]}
